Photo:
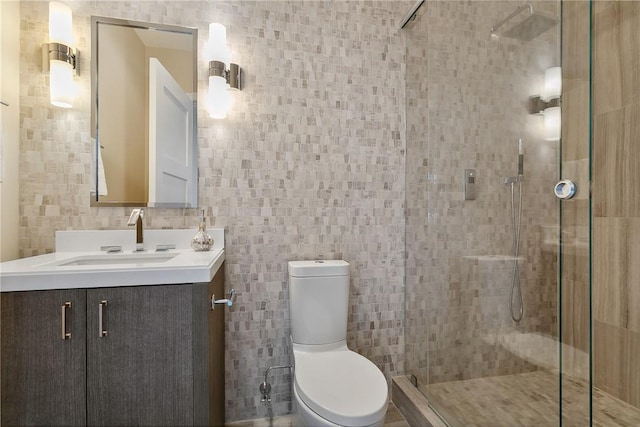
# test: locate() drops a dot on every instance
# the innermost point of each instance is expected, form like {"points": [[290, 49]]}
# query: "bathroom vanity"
{"points": [[92, 339]]}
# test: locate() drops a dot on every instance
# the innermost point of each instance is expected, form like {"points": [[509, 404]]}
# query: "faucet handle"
{"points": [[136, 214], [133, 218]]}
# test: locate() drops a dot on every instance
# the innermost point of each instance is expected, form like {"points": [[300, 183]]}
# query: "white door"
{"points": [[172, 149]]}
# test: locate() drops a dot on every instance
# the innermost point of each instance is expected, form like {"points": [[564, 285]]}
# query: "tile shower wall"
{"points": [[309, 164], [616, 201], [466, 108]]}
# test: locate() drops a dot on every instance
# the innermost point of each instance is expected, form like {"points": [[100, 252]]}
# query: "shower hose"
{"points": [[516, 290]]}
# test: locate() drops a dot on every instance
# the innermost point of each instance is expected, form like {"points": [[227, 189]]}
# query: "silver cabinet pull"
{"points": [[66, 332], [102, 332]]}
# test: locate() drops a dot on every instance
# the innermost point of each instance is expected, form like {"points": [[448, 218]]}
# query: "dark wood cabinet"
{"points": [[140, 355], [43, 375]]}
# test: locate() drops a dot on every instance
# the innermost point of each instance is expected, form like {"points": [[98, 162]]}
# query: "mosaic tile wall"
{"points": [[309, 164], [466, 108]]}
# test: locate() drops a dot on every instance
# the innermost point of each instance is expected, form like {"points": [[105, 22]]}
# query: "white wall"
{"points": [[10, 128]]}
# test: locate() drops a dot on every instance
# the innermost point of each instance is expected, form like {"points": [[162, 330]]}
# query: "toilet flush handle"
{"points": [[228, 301]]}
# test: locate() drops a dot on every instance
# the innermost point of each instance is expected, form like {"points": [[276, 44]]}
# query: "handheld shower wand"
{"points": [[515, 224], [520, 158]]}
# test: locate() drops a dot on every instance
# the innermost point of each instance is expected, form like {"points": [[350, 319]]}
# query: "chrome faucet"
{"points": [[136, 219]]}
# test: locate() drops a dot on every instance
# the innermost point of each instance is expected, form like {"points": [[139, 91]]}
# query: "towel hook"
{"points": [[228, 301]]}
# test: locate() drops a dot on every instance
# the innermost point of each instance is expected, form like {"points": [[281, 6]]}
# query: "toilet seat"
{"points": [[341, 386]]}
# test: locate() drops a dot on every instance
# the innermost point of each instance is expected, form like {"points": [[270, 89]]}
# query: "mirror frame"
{"points": [[95, 20]]}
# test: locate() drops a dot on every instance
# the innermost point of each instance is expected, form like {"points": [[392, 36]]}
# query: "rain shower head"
{"points": [[528, 29]]}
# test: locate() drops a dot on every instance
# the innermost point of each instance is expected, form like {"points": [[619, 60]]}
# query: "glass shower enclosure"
{"points": [[523, 232]]}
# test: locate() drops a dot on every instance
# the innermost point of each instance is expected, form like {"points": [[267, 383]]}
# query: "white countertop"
{"points": [[49, 272]]}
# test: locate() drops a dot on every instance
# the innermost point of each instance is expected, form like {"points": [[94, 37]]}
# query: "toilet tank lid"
{"points": [[318, 268]]}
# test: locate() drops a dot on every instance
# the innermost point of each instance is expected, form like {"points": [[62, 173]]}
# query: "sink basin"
{"points": [[81, 261], [114, 259]]}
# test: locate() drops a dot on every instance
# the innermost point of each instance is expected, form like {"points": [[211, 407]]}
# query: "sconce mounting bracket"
{"points": [[537, 105], [232, 75], [60, 52]]}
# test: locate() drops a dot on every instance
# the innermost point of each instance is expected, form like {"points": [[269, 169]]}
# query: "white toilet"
{"points": [[333, 386]]}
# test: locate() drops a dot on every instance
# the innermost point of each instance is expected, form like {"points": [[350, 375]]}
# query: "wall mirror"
{"points": [[144, 92]]}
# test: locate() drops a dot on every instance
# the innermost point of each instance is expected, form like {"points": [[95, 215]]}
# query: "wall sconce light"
{"points": [[223, 75], [549, 103], [59, 58]]}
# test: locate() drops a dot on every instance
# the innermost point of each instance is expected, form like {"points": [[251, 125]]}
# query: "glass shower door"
{"points": [[482, 277], [573, 358], [575, 217]]}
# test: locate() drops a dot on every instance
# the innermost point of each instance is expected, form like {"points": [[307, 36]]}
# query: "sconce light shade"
{"points": [[552, 83], [60, 21], [61, 87], [58, 58], [218, 98], [548, 104], [552, 124], [223, 75], [217, 46]]}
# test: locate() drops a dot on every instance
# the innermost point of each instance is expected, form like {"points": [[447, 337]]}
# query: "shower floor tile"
{"points": [[528, 399]]}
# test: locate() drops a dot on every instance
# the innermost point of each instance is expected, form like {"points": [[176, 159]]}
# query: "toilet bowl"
{"points": [[333, 386]]}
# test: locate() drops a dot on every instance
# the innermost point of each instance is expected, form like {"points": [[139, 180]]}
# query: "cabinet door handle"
{"points": [[66, 335], [102, 332]]}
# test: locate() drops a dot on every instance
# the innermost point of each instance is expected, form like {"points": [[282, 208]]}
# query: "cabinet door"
{"points": [[43, 375], [140, 363]]}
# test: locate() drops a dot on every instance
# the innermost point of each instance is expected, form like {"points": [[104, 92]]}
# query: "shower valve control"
{"points": [[565, 189], [469, 184]]}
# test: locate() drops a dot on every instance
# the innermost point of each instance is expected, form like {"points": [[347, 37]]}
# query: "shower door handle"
{"points": [[565, 189]]}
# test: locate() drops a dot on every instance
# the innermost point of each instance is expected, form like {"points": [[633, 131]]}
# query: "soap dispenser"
{"points": [[202, 241]]}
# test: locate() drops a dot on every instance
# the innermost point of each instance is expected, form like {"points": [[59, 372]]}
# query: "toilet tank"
{"points": [[318, 301]]}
